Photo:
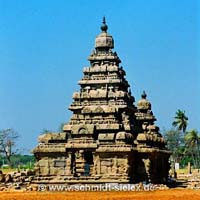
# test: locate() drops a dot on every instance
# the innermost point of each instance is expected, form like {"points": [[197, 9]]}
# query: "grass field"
{"points": [[5, 171], [172, 194]]}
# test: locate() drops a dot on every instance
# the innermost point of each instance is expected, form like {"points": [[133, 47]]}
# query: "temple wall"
{"points": [[111, 166], [53, 166]]}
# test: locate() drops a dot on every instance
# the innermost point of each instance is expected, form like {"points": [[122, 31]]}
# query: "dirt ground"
{"points": [[172, 194]]}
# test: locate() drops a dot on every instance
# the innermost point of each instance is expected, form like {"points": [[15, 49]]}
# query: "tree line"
{"points": [[183, 144]]}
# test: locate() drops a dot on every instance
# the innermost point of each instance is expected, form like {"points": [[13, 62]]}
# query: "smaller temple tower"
{"points": [[108, 138], [153, 157]]}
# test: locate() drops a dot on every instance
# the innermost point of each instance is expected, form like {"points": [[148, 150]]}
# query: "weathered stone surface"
{"points": [[8, 178]]}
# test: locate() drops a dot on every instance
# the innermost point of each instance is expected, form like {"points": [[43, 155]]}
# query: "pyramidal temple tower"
{"points": [[108, 138]]}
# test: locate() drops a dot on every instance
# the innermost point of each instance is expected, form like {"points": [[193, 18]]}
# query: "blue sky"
{"points": [[45, 44]]}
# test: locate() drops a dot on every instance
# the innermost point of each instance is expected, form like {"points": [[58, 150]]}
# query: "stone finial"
{"points": [[129, 91], [144, 95], [104, 26], [144, 104], [104, 40]]}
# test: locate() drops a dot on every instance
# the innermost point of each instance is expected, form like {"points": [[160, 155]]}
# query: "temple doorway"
{"points": [[73, 170], [88, 157]]}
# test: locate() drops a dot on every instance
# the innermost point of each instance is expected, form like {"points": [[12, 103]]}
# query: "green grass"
{"points": [[5, 171], [182, 171]]}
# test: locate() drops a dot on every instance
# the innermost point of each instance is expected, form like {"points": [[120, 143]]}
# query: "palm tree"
{"points": [[181, 121], [192, 139]]}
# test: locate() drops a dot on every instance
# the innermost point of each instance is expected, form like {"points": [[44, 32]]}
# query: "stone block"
{"points": [[59, 163]]}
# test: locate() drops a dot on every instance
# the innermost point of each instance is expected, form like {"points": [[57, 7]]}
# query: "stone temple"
{"points": [[108, 138]]}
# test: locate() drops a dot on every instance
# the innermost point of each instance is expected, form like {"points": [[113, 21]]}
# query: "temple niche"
{"points": [[108, 138]]}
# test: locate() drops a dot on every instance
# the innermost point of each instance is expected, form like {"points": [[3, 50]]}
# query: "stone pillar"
{"points": [[98, 166], [80, 163], [189, 168], [114, 167], [92, 166], [68, 165]]}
